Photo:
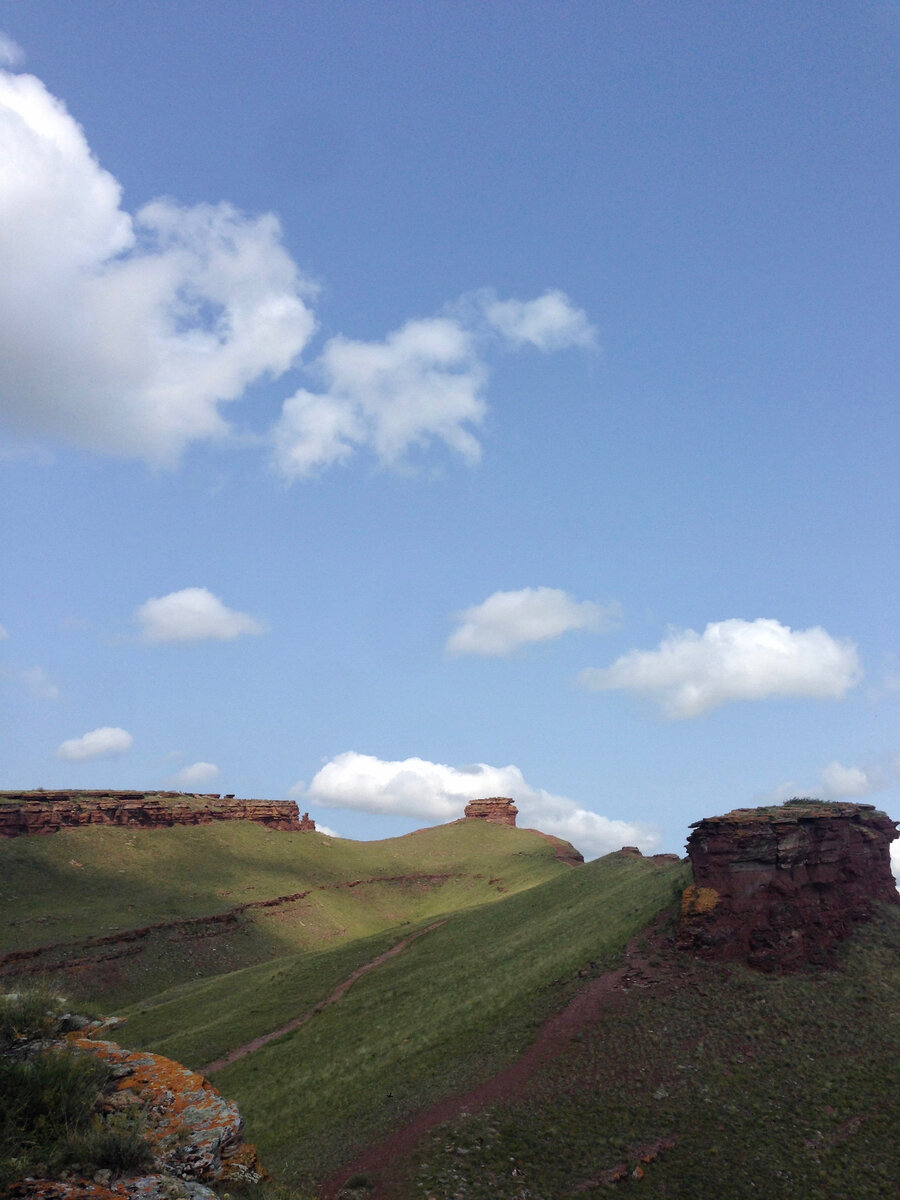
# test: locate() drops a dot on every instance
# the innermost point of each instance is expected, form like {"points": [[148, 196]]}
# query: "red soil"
{"points": [[554, 1036]]}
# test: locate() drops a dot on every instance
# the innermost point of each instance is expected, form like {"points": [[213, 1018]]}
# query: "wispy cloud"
{"points": [[835, 782], [692, 673], [507, 620], [40, 684], [550, 322], [11, 54]]}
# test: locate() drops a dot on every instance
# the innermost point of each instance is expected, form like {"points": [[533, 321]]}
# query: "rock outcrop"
{"points": [[499, 810], [194, 1136], [658, 859], [779, 887], [48, 812]]}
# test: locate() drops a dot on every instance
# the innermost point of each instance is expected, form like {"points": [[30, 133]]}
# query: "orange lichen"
{"points": [[53, 1189], [189, 1124], [695, 901]]}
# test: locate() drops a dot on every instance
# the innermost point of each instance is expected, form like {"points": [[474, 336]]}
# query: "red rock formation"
{"points": [[499, 810], [658, 859], [48, 812], [779, 887]]}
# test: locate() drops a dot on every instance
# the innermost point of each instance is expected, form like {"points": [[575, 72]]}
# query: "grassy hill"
{"points": [[191, 883], [691, 1080], [785, 1087], [459, 1003]]}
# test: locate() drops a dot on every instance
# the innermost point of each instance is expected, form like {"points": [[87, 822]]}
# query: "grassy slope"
{"points": [[456, 1005], [781, 1087], [102, 880], [70, 884]]}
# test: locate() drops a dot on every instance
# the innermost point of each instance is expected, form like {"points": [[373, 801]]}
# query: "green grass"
{"points": [[102, 881], [771, 1086], [198, 1022], [48, 1100], [458, 1004]]}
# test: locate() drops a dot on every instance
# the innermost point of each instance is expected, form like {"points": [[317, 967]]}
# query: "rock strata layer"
{"points": [[500, 810], [48, 812], [779, 887]]}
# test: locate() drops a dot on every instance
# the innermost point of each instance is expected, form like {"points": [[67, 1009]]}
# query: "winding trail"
{"points": [[554, 1036], [339, 991]]}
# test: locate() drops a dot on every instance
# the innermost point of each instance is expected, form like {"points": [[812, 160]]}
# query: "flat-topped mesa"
{"points": [[24, 813], [499, 810], [779, 887]]}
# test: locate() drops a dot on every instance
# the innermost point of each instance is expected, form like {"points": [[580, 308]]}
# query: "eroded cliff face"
{"points": [[48, 812], [779, 887], [498, 809]]}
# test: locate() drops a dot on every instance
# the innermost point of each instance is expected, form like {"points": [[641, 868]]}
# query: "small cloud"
{"points": [[419, 385], [198, 772], [838, 782], [11, 54], [508, 620], [432, 791], [326, 830], [106, 742], [835, 782], [551, 322], [39, 684], [192, 615], [692, 673]]}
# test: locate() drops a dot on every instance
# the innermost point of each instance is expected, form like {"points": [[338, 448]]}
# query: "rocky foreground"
{"points": [[194, 1136]]}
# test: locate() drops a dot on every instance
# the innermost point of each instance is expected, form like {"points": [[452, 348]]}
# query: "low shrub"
{"points": [[27, 1015]]}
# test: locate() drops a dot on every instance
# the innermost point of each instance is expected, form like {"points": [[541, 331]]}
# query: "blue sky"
{"points": [[404, 403]]}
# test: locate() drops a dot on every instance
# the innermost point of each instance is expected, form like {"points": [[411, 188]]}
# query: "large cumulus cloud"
{"points": [[431, 791]]}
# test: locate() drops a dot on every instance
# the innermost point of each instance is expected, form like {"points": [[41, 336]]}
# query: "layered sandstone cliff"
{"points": [[780, 887], [500, 810], [48, 812]]}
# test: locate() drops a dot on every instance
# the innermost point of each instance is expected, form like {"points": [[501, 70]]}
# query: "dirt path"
{"points": [[340, 990], [554, 1036]]}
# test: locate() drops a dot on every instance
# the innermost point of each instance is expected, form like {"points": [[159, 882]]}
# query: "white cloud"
{"points": [[507, 620], [434, 792], [40, 684], [895, 860], [837, 782], [192, 615], [550, 322], [692, 673], [11, 54], [421, 384], [125, 333], [198, 772], [105, 742], [326, 830]]}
